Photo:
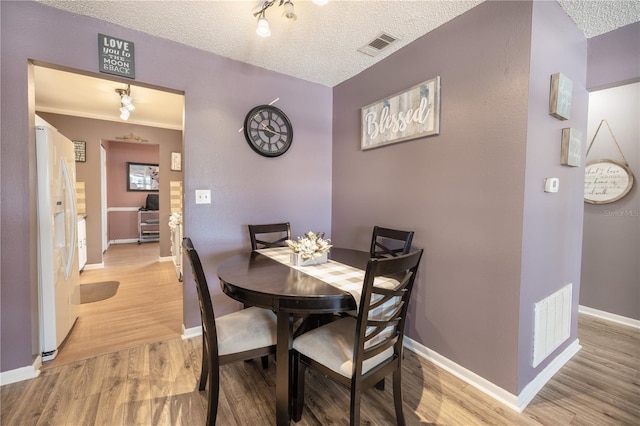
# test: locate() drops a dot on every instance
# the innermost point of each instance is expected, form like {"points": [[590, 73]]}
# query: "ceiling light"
{"points": [[263, 29], [126, 102], [288, 13]]}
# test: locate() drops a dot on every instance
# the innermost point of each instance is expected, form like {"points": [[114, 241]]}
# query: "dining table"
{"points": [[266, 278]]}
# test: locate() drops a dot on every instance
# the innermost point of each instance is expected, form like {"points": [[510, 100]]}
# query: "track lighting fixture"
{"points": [[288, 13], [126, 103]]}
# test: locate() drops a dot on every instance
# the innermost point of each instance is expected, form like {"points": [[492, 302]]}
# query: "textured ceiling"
{"points": [[321, 46]]}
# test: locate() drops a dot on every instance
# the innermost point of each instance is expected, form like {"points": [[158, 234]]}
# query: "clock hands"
{"points": [[270, 130]]}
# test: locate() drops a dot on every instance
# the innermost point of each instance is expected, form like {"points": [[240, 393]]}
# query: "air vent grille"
{"points": [[375, 46]]}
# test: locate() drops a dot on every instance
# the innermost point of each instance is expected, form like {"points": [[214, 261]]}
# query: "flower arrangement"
{"points": [[310, 246]]}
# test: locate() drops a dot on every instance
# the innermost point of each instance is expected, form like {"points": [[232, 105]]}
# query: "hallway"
{"points": [[146, 308]]}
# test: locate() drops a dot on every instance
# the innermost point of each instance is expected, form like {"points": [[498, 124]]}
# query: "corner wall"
{"points": [[461, 191]]}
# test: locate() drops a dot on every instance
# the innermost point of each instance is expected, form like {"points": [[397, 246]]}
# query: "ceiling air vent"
{"points": [[376, 45]]}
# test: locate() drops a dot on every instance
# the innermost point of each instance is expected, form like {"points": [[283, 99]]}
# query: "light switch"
{"points": [[203, 196], [551, 184]]}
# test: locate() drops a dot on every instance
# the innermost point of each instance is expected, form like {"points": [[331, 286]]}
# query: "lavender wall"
{"points": [[246, 188], [552, 225], [611, 248], [462, 192], [613, 58]]}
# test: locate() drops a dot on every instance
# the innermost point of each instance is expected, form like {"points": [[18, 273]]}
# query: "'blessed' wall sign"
{"points": [[411, 114]]}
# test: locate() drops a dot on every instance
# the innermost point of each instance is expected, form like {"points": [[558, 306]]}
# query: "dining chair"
{"points": [[386, 242], [238, 336], [360, 352], [269, 235]]}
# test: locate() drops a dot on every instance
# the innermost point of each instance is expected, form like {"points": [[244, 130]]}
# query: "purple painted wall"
{"points": [[611, 249], [246, 188], [552, 223], [470, 193], [461, 192], [613, 58]]}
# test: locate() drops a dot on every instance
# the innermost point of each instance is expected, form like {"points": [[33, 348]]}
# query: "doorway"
{"points": [[86, 107]]}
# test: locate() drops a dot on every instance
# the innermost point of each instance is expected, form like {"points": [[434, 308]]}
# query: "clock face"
{"points": [[268, 131]]}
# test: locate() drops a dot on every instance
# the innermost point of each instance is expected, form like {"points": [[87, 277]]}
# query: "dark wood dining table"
{"points": [[258, 280]]}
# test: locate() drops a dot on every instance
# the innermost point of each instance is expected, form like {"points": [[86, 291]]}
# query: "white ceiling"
{"points": [[321, 46]]}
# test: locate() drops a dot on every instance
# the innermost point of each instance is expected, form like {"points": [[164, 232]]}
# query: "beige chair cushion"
{"points": [[332, 345], [244, 330]]}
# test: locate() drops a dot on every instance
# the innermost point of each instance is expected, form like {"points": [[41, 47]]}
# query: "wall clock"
{"points": [[268, 131]]}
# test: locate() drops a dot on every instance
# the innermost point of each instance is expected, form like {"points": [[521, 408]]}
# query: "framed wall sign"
{"points": [[411, 114], [116, 56], [143, 177], [571, 152], [606, 181], [176, 161], [80, 149], [560, 96]]}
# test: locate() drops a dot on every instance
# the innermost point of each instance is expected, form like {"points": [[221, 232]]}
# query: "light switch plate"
{"points": [[551, 184], [203, 196]]}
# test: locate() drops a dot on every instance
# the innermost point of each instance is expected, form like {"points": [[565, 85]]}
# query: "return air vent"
{"points": [[375, 46]]}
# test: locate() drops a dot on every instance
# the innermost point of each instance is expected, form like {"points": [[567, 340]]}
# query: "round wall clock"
{"points": [[606, 181], [268, 131]]}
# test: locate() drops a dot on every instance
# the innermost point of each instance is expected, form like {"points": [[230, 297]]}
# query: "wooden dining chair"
{"points": [[269, 235], [238, 336], [386, 242], [360, 352]]}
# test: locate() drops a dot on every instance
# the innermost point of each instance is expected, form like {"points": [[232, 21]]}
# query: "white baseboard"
{"points": [[165, 259], [630, 322], [515, 402], [88, 267], [124, 241], [188, 333], [20, 374]]}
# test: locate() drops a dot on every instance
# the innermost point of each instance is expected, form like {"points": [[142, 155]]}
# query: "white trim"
{"points": [[517, 403], [607, 316], [20, 374], [165, 259], [122, 209], [188, 333], [125, 241], [93, 266]]}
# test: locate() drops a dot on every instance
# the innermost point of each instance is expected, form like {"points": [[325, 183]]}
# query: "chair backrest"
{"points": [[387, 242], [383, 311], [204, 297], [269, 235]]}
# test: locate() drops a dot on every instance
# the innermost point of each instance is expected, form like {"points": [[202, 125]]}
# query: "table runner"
{"points": [[344, 277]]}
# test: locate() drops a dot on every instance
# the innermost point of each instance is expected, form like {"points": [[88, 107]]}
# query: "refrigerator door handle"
{"points": [[72, 220]]}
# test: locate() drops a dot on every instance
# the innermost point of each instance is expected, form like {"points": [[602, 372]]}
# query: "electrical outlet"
{"points": [[203, 196]]}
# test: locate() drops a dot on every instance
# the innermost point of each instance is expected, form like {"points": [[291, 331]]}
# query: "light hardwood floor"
{"points": [[155, 384], [146, 308]]}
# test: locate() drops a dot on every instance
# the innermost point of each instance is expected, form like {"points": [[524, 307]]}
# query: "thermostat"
{"points": [[551, 184]]}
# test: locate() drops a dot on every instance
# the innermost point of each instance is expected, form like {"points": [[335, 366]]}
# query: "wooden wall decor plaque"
{"points": [[606, 181]]}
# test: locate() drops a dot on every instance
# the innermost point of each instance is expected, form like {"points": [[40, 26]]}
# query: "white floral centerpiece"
{"points": [[309, 250]]}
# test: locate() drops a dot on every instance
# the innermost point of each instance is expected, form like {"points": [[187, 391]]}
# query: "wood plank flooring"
{"points": [[147, 307], [154, 382]]}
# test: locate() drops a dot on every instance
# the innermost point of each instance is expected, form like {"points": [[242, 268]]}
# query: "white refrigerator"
{"points": [[58, 273]]}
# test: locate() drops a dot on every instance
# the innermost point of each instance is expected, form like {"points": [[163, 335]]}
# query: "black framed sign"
{"points": [[116, 56], [80, 149]]}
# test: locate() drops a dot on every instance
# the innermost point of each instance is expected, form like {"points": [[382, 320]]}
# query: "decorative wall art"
{"points": [[176, 161], [411, 114], [560, 96], [570, 153], [80, 149], [143, 177], [606, 181]]}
